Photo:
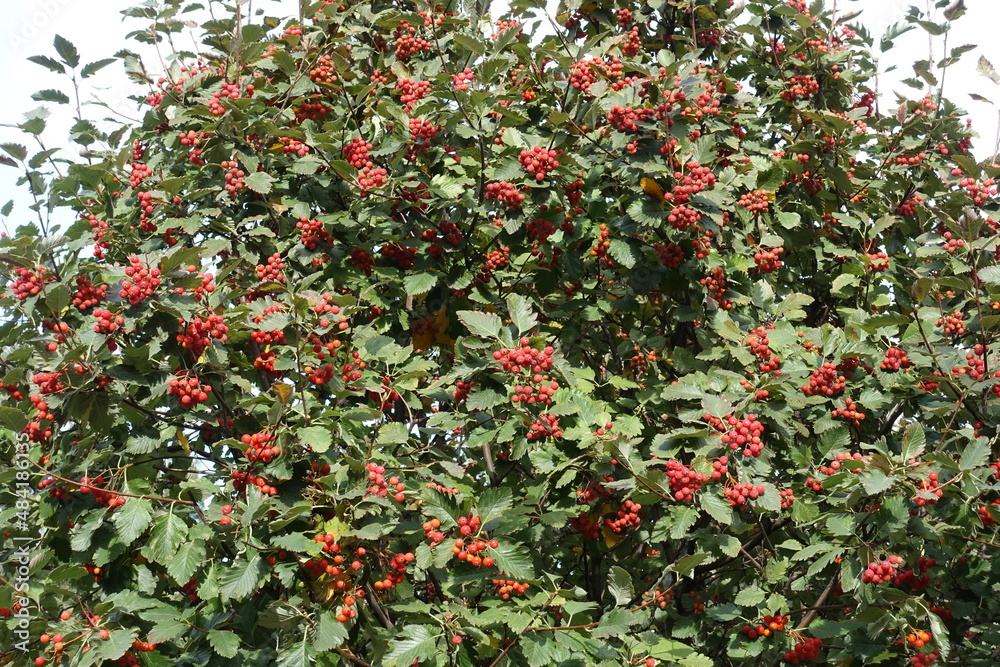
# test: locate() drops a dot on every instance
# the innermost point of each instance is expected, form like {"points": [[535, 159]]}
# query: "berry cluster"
{"points": [[407, 42], [260, 447], [627, 119], [768, 260], [505, 192], [741, 433], [290, 145], [787, 498], [770, 625], [825, 381], [313, 234], [895, 359], [234, 177], [356, 152], [849, 413], [740, 494], [756, 202], [380, 485], [878, 261], [682, 217], [422, 133], [140, 172], [802, 87], [531, 364], [506, 588], [28, 283], [362, 260], [929, 491], [925, 659], [759, 346], [546, 426], [908, 208], [412, 92], [272, 270], [463, 79], [627, 516], [140, 282], [196, 336], [87, 295], [539, 161], [809, 649], [881, 572], [242, 479], [693, 180], [495, 259], [670, 255], [954, 324], [371, 177], [835, 464], [188, 390], [684, 481], [107, 322], [109, 499], [979, 192], [470, 552], [715, 283], [325, 70]]}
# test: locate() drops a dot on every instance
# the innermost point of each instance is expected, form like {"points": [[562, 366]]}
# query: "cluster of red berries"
{"points": [[849, 413], [407, 42], [529, 361], [715, 284], [196, 336], [684, 481], [109, 499], [412, 92], [952, 244], [787, 498], [188, 389], [682, 217], [627, 516], [507, 588], [380, 485], [807, 650], [470, 552], [539, 161], [979, 192], [740, 494], [260, 447], [234, 177], [242, 479], [351, 372], [463, 79], [371, 177], [362, 260], [546, 426], [770, 625], [670, 255], [881, 572], [495, 259], [759, 346], [107, 322], [140, 282], [87, 295], [825, 381], [768, 260], [835, 464], [908, 208], [324, 71], [954, 324], [28, 283], [878, 261], [756, 202], [146, 209], [422, 133], [505, 192], [356, 152], [895, 359], [742, 433], [140, 172], [402, 255], [272, 270], [627, 119], [313, 234], [690, 182], [802, 87], [928, 487], [290, 145]]}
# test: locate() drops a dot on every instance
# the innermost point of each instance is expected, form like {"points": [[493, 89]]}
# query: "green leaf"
{"points": [[750, 596], [50, 95], [241, 578], [416, 643], [975, 455], [447, 187], [13, 419], [622, 253], [331, 632], [538, 651], [990, 274], [185, 562], [493, 504], [132, 519], [913, 442], [16, 151], [49, 63], [683, 519], [166, 536], [92, 68], [419, 283], [484, 325], [224, 642], [620, 585], [513, 560], [521, 314], [260, 182], [66, 51], [718, 508], [319, 438], [298, 655]]}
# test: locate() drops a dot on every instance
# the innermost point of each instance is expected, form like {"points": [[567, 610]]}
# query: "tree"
{"points": [[394, 336]]}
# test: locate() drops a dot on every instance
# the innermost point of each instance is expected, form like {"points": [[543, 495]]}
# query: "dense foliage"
{"points": [[391, 335]]}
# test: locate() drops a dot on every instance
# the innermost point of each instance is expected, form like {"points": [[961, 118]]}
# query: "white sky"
{"points": [[96, 28]]}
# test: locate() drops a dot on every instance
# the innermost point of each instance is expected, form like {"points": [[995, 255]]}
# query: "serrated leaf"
{"points": [[990, 274], [521, 313], [415, 644], [538, 651], [717, 508], [298, 655], [913, 442], [419, 283], [750, 597], [16, 151], [985, 67], [185, 562], [485, 325], [620, 585], [132, 519], [241, 578], [622, 253], [975, 455], [66, 50], [319, 438], [166, 536], [49, 63], [682, 520], [260, 182], [50, 95], [13, 419], [224, 642], [493, 504], [92, 68], [513, 560], [330, 634], [447, 187]]}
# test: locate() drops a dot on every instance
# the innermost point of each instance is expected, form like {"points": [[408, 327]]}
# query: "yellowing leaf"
{"points": [[283, 391], [652, 188]]}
